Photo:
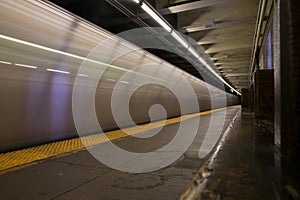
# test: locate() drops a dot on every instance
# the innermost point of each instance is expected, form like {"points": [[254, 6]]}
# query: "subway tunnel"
{"points": [[135, 99]]}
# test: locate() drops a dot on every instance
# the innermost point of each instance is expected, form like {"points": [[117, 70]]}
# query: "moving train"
{"points": [[42, 50]]}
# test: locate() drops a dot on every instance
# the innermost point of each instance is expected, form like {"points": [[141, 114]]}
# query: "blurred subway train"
{"points": [[42, 49]]}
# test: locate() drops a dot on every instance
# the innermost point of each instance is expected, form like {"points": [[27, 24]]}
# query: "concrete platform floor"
{"points": [[80, 176], [247, 166], [244, 166]]}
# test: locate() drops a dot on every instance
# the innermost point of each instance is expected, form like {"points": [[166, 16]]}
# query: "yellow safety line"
{"points": [[29, 155]]}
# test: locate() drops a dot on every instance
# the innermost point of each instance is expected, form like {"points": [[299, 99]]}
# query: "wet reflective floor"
{"points": [[247, 166]]}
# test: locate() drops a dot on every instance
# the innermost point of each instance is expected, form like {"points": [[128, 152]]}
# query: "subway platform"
{"points": [[243, 165], [247, 165]]}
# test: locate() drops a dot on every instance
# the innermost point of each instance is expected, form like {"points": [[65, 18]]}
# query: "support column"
{"points": [[264, 94], [287, 75], [245, 99]]}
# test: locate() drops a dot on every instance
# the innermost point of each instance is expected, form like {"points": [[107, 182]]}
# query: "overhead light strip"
{"points": [[156, 17], [193, 52], [182, 41], [179, 39]]}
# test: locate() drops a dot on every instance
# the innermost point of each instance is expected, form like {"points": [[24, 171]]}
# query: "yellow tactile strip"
{"points": [[25, 156]]}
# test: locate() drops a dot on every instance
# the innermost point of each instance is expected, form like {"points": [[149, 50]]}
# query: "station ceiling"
{"points": [[224, 28]]}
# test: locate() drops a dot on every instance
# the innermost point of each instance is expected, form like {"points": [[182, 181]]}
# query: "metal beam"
{"points": [[191, 6]]}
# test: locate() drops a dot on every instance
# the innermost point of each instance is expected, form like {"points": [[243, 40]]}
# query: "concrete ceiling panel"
{"points": [[225, 29]]}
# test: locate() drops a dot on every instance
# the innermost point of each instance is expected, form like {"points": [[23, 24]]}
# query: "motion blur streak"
{"points": [[36, 105]]}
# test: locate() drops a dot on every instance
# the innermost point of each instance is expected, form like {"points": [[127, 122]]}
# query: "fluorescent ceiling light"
{"points": [[156, 17], [193, 51], [179, 39], [136, 1], [203, 61], [217, 75], [58, 71], [27, 66]]}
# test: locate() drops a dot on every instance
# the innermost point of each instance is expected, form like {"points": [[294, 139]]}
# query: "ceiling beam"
{"points": [[231, 71], [191, 6], [215, 24], [234, 80], [231, 59], [217, 39], [236, 74], [232, 67], [241, 86], [225, 62], [239, 81]]}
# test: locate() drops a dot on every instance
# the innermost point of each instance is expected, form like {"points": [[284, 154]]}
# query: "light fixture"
{"points": [[179, 39], [217, 75], [203, 61], [193, 51], [156, 17]]}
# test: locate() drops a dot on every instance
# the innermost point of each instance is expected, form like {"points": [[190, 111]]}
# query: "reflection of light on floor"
{"points": [[214, 134]]}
